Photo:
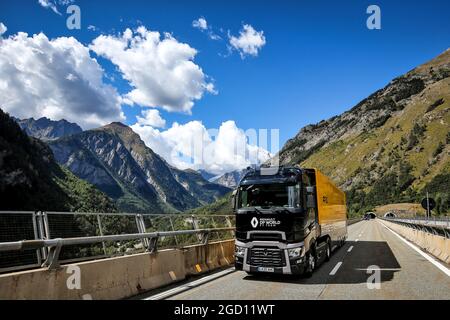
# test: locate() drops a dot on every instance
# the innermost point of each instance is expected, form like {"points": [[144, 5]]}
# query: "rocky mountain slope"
{"points": [[229, 179], [30, 178], [389, 147], [206, 175], [117, 161], [46, 129], [198, 187]]}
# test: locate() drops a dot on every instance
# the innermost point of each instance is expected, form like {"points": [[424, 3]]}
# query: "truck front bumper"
{"points": [[290, 265]]}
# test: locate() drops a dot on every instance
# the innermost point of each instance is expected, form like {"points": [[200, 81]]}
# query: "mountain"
{"points": [[198, 187], [221, 206], [31, 180], [206, 175], [391, 146], [117, 161], [229, 179], [46, 129]]}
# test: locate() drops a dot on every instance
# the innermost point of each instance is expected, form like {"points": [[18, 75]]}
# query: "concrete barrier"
{"points": [[353, 221], [436, 245], [195, 259], [118, 277], [220, 254]]}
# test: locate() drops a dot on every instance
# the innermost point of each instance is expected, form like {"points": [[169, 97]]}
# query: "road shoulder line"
{"points": [[423, 254], [190, 285]]}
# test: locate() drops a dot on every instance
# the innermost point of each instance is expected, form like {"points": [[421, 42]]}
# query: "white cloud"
{"points": [[161, 71], [213, 36], [3, 29], [249, 41], [200, 23], [56, 79], [65, 2], [191, 145], [92, 28], [203, 26], [151, 118], [54, 4], [49, 4]]}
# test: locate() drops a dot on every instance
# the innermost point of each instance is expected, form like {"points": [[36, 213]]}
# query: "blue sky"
{"points": [[319, 58]]}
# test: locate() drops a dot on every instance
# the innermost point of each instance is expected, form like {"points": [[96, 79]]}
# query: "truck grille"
{"points": [[266, 236], [266, 257]]}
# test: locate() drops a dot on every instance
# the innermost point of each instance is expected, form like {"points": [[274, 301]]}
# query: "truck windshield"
{"points": [[269, 195]]}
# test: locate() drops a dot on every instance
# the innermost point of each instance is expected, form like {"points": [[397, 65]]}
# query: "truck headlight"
{"points": [[295, 252], [239, 251]]}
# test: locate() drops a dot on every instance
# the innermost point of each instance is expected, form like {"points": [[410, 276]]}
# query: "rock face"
{"points": [[30, 178], [230, 179], [397, 136], [207, 175], [198, 187], [46, 129], [117, 161]]}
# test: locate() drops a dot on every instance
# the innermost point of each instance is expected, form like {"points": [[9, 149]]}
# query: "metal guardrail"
{"points": [[436, 226], [103, 234], [55, 245], [434, 221]]}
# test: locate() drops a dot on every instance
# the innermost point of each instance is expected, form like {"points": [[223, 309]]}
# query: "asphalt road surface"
{"points": [[404, 273]]}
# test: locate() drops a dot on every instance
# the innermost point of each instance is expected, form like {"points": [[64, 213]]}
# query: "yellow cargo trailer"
{"points": [[331, 207]]}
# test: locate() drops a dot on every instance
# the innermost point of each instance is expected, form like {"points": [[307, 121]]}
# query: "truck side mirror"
{"points": [[233, 199]]}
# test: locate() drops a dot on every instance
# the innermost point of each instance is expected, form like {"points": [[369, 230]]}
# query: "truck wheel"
{"points": [[311, 260], [343, 241], [328, 251]]}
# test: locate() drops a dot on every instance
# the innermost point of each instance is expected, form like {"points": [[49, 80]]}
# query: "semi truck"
{"points": [[289, 220]]}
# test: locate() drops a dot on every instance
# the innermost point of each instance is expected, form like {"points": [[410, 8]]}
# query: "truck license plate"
{"points": [[264, 269]]}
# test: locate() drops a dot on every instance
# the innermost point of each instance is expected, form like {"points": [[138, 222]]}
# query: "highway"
{"points": [[405, 273]]}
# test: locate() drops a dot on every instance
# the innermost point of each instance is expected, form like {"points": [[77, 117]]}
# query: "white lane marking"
{"points": [[189, 285], [336, 268], [380, 269], [350, 249], [423, 254]]}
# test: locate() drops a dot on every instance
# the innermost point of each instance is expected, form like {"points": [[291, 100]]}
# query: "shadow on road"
{"points": [[354, 268]]}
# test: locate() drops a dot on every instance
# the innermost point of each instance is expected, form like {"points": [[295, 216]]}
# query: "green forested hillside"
{"points": [[220, 206], [391, 147]]}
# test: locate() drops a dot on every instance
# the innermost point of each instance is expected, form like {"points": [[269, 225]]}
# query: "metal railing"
{"points": [[55, 245], [35, 236], [433, 221], [439, 226]]}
